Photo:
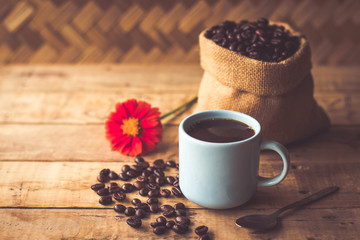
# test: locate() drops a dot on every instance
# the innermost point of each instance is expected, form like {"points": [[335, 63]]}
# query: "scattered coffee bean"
{"points": [[161, 220], [143, 191], [112, 184], [119, 196], [134, 222], [152, 178], [123, 176], [136, 168], [139, 185], [154, 208], [103, 192], [160, 181], [135, 201], [143, 206], [152, 186], [178, 206], [151, 169], [159, 173], [182, 220], [165, 193], [105, 172], [176, 183], [170, 180], [204, 237], [166, 207], [141, 179], [177, 192], [143, 165], [170, 224], [159, 230], [146, 173], [180, 229], [113, 175], [201, 230], [180, 212], [119, 208], [105, 200], [171, 164], [129, 211], [139, 159], [169, 213], [97, 186], [159, 164], [131, 174], [155, 224], [115, 189], [127, 187], [125, 168], [154, 193], [140, 213], [153, 200], [103, 178]]}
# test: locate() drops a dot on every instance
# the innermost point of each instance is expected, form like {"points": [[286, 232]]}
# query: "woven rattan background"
{"points": [[145, 31]]}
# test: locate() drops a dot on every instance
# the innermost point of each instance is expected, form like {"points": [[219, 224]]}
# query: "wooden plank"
{"points": [[306, 223], [67, 184], [57, 142]]}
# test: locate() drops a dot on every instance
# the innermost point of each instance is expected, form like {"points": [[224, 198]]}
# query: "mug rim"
{"points": [[194, 115]]}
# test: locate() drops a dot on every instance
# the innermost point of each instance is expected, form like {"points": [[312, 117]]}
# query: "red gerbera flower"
{"points": [[134, 128]]}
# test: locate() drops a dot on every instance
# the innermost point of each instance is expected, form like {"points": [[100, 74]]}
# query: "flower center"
{"points": [[131, 126]]}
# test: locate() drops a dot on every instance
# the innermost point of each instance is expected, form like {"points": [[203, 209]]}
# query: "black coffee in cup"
{"points": [[220, 130]]}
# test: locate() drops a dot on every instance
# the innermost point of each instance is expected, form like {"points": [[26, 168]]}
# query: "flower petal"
{"points": [[142, 109], [130, 107], [136, 147]]}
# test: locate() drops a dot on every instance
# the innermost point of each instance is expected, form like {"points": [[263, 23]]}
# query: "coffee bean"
{"points": [[154, 208], [152, 200], [159, 230], [103, 178], [146, 173], [177, 192], [176, 183], [165, 193], [170, 180], [201, 230], [151, 169], [169, 213], [135, 201], [152, 179], [143, 206], [115, 189], [129, 211], [134, 222], [159, 173], [119, 196], [113, 175], [178, 206], [140, 213], [105, 172], [124, 176], [166, 207], [103, 192], [119, 208], [127, 187], [139, 185], [154, 193], [136, 168], [153, 186], [182, 220], [97, 186], [160, 181], [139, 159], [159, 164], [180, 212], [132, 174], [143, 165], [180, 229], [125, 168], [141, 179], [204, 237], [105, 200], [155, 224], [161, 220], [112, 184], [171, 164], [170, 224], [143, 191]]}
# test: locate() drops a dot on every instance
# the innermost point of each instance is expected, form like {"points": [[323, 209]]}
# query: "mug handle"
{"points": [[284, 154]]}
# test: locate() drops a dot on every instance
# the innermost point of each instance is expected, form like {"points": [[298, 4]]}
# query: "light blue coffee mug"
{"points": [[224, 175]]}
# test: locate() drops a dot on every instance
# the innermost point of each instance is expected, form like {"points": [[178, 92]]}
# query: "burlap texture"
{"points": [[278, 95]]}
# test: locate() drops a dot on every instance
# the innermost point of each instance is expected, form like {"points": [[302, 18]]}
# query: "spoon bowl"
{"points": [[266, 222]]}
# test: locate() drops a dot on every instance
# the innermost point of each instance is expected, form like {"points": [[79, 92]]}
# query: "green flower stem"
{"points": [[188, 103]]}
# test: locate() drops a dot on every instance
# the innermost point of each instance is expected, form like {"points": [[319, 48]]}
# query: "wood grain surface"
{"points": [[52, 147]]}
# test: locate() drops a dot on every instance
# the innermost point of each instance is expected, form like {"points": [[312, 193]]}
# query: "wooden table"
{"points": [[52, 147]]}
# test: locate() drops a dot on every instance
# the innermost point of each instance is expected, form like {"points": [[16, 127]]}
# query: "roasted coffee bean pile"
{"points": [[148, 181], [258, 40]]}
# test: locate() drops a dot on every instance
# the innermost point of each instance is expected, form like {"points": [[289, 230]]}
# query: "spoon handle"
{"points": [[312, 198]]}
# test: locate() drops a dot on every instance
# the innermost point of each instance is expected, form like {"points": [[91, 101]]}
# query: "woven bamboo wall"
{"points": [[145, 31]]}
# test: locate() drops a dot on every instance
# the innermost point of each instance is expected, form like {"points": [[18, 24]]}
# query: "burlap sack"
{"points": [[278, 95]]}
